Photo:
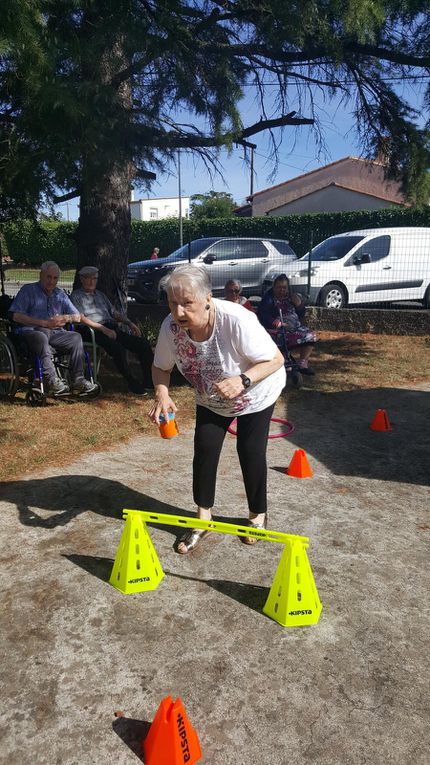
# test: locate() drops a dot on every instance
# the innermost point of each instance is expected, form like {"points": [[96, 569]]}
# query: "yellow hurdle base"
{"points": [[136, 567], [293, 599]]}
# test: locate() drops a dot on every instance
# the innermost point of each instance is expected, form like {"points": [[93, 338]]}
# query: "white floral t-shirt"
{"points": [[238, 341]]}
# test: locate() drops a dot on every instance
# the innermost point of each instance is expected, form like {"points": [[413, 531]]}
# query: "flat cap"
{"points": [[88, 271]]}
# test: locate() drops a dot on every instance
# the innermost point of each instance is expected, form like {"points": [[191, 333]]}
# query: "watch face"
{"points": [[246, 381]]}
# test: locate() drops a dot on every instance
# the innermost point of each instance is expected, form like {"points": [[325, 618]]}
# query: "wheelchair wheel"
{"points": [[9, 369], [35, 397]]}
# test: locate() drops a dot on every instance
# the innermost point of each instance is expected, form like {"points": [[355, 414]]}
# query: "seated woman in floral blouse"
{"points": [[281, 312]]}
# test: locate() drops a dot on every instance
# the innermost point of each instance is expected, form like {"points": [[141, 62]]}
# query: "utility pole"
{"points": [[181, 239], [251, 146]]}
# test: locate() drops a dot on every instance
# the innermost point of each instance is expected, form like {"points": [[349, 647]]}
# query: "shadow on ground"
{"points": [[132, 732], [69, 496], [95, 565], [251, 595], [334, 428]]}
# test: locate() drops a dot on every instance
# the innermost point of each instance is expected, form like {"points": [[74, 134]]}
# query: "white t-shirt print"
{"points": [[237, 342]]}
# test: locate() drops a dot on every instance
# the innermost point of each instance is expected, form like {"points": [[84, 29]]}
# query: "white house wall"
{"points": [[331, 199], [159, 209], [349, 172]]}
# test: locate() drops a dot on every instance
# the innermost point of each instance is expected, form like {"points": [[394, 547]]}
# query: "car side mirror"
{"points": [[208, 259], [364, 258]]}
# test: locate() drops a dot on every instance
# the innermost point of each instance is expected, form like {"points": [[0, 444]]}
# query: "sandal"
{"points": [[190, 540], [253, 525]]}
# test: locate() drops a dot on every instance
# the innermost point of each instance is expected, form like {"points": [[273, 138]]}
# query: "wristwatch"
{"points": [[246, 381]]}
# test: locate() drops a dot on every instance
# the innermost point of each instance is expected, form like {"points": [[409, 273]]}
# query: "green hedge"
{"points": [[298, 229], [32, 244]]}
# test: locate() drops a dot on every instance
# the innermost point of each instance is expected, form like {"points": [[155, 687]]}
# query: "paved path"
{"points": [[351, 690]]}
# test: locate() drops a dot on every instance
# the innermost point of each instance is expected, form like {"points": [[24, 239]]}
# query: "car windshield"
{"points": [[283, 247], [190, 250], [334, 248]]}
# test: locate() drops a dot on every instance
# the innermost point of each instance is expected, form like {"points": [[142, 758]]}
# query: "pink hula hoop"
{"points": [[287, 432]]}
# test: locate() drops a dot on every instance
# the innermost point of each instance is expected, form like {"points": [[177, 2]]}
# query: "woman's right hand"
{"points": [[162, 404]]}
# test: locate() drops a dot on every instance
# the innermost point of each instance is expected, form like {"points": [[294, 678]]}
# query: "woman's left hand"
{"points": [[229, 388]]}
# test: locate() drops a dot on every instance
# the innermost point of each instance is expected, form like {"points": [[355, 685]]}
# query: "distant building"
{"points": [[159, 208], [244, 211], [351, 183]]}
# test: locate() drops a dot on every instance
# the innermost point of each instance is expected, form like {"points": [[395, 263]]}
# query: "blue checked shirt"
{"points": [[33, 301]]}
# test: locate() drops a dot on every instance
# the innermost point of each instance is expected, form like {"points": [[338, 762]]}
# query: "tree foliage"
{"points": [[213, 204], [96, 94]]}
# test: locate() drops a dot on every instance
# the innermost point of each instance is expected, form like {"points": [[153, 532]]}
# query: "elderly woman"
{"points": [[232, 290], [281, 312], [236, 370]]}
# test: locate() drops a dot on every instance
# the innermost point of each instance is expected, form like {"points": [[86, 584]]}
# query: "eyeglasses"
{"points": [[235, 291]]}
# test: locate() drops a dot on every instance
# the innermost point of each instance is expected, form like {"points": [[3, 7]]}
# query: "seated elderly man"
{"points": [[98, 312], [42, 310]]}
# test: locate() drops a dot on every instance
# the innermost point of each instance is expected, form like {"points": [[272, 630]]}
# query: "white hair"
{"points": [[195, 278], [50, 265]]}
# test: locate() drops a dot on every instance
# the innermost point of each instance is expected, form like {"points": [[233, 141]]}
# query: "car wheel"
{"points": [[426, 301], [332, 296]]}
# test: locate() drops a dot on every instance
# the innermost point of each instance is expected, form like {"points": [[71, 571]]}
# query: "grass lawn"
{"points": [[32, 275], [62, 431]]}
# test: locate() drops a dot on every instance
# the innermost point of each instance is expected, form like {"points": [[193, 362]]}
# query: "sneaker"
{"points": [[83, 387], [57, 387]]}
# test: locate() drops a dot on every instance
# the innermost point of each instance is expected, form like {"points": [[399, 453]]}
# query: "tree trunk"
{"points": [[103, 234]]}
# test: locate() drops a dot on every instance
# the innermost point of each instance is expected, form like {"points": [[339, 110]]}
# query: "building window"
{"points": [[153, 213]]}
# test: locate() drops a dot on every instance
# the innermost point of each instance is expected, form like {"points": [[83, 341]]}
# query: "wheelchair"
{"points": [[21, 370], [290, 363], [291, 367]]}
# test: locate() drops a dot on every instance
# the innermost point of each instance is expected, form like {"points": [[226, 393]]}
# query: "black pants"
{"points": [[117, 351], [252, 432]]}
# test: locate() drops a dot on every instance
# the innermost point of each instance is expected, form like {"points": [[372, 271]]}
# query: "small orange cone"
{"points": [[381, 421], [171, 739], [299, 466]]}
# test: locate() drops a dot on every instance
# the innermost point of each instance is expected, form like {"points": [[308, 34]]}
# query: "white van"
{"points": [[367, 266]]}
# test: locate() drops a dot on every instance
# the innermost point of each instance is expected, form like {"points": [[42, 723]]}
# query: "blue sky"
{"points": [[298, 153]]}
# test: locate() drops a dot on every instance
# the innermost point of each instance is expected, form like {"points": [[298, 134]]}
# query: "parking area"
{"points": [[86, 667]]}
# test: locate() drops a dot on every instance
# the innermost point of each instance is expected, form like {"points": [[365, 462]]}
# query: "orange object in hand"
{"points": [[168, 428]]}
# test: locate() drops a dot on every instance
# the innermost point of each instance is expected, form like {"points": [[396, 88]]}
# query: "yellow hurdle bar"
{"points": [[219, 526]]}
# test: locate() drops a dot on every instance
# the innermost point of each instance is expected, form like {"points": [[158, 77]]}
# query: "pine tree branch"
{"points": [[66, 197], [287, 119], [385, 54]]}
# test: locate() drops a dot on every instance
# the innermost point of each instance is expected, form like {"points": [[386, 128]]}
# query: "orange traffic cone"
{"points": [[171, 739], [381, 421], [299, 466]]}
